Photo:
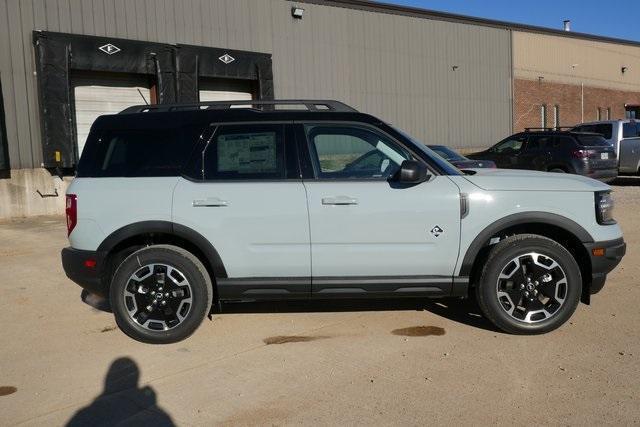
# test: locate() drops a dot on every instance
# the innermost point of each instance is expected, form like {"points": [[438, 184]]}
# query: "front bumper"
{"points": [[612, 253], [90, 278]]}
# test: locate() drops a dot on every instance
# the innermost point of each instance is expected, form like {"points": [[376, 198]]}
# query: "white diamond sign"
{"points": [[227, 59], [109, 49]]}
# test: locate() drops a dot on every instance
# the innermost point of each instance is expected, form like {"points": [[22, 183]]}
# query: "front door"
{"points": [[369, 235], [505, 153], [251, 205]]}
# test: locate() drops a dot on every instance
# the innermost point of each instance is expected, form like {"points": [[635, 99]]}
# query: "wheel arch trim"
{"points": [[168, 228], [513, 220]]}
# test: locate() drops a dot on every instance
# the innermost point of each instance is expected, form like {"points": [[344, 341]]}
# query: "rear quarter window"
{"points": [[137, 153]]}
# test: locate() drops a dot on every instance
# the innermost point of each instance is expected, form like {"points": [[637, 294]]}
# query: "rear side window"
{"points": [[630, 130], [538, 142], [245, 152], [138, 153], [591, 141]]}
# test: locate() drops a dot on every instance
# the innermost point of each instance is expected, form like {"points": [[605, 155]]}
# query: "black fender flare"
{"points": [[169, 228], [523, 218]]}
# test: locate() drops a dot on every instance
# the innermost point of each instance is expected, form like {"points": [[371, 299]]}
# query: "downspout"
{"points": [[581, 102]]}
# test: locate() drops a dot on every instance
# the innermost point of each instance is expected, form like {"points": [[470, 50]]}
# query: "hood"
{"points": [[525, 180]]}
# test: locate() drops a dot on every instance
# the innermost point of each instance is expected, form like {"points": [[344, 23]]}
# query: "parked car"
{"points": [[579, 153], [174, 208], [458, 160], [624, 136]]}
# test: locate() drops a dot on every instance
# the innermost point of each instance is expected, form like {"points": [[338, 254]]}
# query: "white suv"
{"points": [[176, 207]]}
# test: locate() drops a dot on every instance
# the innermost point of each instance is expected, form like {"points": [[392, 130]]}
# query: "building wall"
{"points": [[530, 95], [579, 76], [574, 61], [396, 67]]}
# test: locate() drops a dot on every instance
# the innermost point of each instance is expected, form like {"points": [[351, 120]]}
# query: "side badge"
{"points": [[436, 231]]}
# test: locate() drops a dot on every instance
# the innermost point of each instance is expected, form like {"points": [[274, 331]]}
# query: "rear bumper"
{"points": [[601, 265], [89, 278]]}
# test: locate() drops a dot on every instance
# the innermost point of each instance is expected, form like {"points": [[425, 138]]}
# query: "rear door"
{"points": [[247, 199], [537, 153], [370, 236]]}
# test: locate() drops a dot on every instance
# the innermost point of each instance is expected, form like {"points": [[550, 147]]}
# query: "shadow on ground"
{"points": [[457, 310], [627, 181], [465, 311], [122, 401]]}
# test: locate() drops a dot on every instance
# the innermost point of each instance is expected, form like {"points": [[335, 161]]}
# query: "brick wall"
{"points": [[530, 95]]}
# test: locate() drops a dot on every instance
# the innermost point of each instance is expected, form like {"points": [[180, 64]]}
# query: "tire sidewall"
{"points": [[487, 288], [179, 259]]}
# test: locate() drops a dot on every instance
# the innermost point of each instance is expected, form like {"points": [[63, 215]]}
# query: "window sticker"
{"points": [[247, 152]]}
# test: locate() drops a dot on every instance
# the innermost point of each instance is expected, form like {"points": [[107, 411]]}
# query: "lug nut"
{"points": [[153, 292], [526, 293], [522, 286], [149, 308], [166, 294], [163, 303]]}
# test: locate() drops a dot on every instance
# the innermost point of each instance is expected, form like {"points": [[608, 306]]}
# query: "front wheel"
{"points": [[160, 294], [529, 285]]}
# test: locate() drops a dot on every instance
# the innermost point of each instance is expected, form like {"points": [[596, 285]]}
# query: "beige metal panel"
{"points": [[381, 69], [575, 61]]}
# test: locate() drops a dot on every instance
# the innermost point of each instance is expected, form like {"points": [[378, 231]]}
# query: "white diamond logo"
{"points": [[109, 49], [227, 59]]}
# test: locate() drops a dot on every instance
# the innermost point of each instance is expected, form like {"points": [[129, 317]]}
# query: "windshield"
{"points": [[440, 161], [446, 153], [592, 141]]}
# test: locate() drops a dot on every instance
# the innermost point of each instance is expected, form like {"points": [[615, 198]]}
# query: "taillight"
{"points": [[72, 212], [581, 154]]}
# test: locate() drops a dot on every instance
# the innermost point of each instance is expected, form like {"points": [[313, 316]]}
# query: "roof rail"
{"points": [[549, 129], [258, 105]]}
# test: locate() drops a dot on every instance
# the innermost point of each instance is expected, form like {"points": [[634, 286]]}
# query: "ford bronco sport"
{"points": [[176, 207]]}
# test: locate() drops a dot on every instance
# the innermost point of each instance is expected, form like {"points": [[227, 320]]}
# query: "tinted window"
{"points": [[353, 152], [630, 130], [137, 153], [604, 129], [245, 152], [563, 141], [591, 141], [538, 142], [446, 153], [510, 145]]}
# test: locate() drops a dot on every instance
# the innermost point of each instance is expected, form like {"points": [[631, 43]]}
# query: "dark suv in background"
{"points": [[580, 153]]}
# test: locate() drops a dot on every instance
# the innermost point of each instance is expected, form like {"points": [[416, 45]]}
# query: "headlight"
{"points": [[604, 208]]}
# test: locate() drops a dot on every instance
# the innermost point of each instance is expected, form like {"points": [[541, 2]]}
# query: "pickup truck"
{"points": [[624, 136]]}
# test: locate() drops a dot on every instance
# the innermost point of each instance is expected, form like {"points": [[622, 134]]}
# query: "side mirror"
{"points": [[412, 172]]}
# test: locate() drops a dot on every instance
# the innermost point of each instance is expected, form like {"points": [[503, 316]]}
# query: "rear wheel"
{"points": [[529, 285], [557, 170], [160, 294]]}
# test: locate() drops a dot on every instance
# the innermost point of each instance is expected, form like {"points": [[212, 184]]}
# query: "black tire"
{"points": [[494, 294], [193, 299], [557, 170]]}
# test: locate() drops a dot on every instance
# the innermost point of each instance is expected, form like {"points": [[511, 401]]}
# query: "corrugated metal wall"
{"points": [[396, 67], [575, 61]]}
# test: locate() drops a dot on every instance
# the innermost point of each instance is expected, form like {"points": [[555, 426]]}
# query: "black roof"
{"points": [[171, 119]]}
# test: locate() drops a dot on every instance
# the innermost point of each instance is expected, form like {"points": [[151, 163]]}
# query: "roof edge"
{"points": [[372, 6]]}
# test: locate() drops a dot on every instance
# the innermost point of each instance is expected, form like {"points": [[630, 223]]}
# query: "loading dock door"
{"points": [[99, 94], [225, 90]]}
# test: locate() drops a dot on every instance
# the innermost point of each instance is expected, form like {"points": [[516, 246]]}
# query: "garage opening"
{"points": [[96, 94], [211, 89]]}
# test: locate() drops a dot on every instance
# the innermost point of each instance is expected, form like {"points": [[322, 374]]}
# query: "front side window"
{"points": [[510, 145], [353, 152], [241, 152]]}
